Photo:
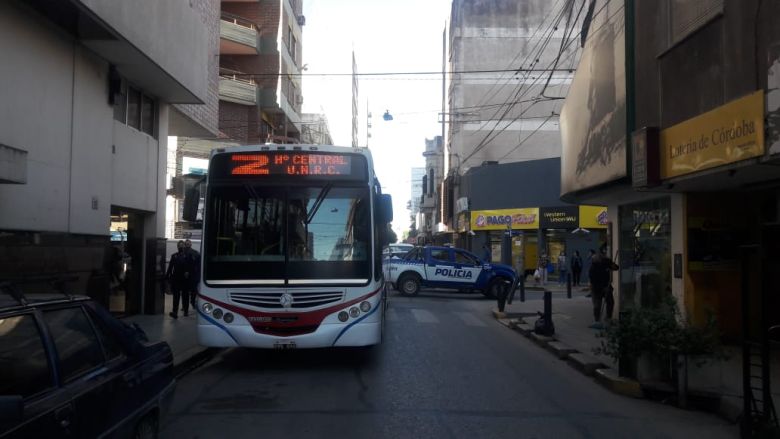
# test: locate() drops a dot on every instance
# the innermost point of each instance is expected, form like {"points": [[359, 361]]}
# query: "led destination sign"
{"points": [[279, 163]]}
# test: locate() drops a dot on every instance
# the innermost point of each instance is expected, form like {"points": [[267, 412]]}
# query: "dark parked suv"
{"points": [[70, 369]]}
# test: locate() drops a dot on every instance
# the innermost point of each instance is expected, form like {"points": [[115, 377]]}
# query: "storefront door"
{"points": [[125, 261]]}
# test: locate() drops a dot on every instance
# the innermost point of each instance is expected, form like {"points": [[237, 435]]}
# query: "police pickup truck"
{"points": [[447, 267]]}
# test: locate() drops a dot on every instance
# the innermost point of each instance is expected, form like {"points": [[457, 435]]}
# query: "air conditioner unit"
{"points": [[299, 99], [301, 20]]}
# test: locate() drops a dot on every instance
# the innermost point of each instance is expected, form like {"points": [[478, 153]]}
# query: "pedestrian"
{"points": [[562, 268], [591, 255], [576, 268], [487, 253], [600, 273], [543, 268], [179, 277], [194, 260]]}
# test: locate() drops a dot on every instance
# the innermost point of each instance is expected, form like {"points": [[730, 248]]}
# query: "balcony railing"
{"points": [[238, 36], [233, 87], [427, 201]]}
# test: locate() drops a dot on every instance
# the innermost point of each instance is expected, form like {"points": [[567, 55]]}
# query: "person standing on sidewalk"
{"points": [[179, 276], [600, 273], [192, 285], [562, 269], [487, 254], [576, 268]]}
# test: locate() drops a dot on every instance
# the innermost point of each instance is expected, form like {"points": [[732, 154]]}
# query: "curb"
{"points": [[561, 350], [617, 384], [586, 364]]}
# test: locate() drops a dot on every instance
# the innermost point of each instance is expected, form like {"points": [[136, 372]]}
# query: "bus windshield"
{"points": [[260, 233]]}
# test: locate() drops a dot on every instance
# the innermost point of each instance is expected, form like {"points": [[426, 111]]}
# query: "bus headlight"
{"points": [[365, 306], [207, 308], [228, 317], [354, 312], [343, 316], [217, 313]]}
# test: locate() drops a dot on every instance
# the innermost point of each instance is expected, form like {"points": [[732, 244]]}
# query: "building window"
{"points": [[147, 115], [645, 257], [291, 43], [134, 108]]}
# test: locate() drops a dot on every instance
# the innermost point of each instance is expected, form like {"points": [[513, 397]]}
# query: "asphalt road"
{"points": [[446, 369]]}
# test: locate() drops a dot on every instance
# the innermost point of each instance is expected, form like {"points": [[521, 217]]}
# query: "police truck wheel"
{"points": [[409, 285]]}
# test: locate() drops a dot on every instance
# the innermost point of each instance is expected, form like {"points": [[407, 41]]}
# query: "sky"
{"points": [[387, 36]]}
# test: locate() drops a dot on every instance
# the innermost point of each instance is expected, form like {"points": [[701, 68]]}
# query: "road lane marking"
{"points": [[424, 316], [470, 319], [391, 315]]}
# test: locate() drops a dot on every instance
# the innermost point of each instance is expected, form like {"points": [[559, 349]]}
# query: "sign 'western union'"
{"points": [[727, 134], [518, 219]]}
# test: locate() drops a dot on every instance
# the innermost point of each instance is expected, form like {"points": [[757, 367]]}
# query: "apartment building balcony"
{"points": [[233, 87], [427, 202], [237, 36]]}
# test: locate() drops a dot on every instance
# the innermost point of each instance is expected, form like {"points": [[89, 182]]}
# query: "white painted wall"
{"points": [[170, 32], [54, 105], [91, 150], [35, 116]]}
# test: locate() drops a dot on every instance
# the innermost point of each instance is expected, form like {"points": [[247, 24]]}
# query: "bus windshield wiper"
{"points": [[318, 202]]}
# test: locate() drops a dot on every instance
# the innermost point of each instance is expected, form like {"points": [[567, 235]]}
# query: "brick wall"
{"points": [[206, 115]]}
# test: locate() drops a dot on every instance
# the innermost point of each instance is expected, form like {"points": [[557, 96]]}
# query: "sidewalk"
{"points": [[180, 333], [574, 341], [571, 318]]}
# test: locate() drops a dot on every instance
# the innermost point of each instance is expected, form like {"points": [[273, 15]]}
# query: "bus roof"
{"points": [[292, 147]]}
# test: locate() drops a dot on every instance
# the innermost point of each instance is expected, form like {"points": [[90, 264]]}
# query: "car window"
{"points": [[412, 255], [442, 255], [465, 258], [77, 345], [23, 357], [111, 347]]}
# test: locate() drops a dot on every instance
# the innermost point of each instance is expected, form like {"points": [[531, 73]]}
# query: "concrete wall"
{"points": [[42, 96], [496, 35], [512, 185], [170, 34], [80, 160], [205, 116]]}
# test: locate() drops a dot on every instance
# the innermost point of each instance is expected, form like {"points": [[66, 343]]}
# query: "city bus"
{"points": [[292, 247]]}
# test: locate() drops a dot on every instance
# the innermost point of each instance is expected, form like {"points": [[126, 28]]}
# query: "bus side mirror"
{"points": [[191, 201], [385, 209]]}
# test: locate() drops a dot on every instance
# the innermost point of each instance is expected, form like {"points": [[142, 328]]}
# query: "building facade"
{"points": [[84, 135], [431, 198], [259, 93], [315, 129], [512, 64], [677, 133]]}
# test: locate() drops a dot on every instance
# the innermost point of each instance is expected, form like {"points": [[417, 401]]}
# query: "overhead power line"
{"points": [[421, 73]]}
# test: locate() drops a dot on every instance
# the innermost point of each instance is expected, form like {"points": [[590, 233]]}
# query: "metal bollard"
{"points": [[548, 305], [522, 288], [568, 285]]}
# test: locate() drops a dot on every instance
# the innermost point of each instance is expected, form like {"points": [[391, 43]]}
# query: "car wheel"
{"points": [[146, 428], [409, 284], [494, 288]]}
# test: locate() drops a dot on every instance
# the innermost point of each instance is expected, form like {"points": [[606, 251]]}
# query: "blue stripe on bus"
{"points": [[378, 305], [217, 324]]}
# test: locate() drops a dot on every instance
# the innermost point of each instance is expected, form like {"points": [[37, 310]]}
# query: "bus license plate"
{"points": [[284, 345]]}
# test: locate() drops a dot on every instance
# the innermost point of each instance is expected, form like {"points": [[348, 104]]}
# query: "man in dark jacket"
{"points": [[600, 273], [179, 277]]}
